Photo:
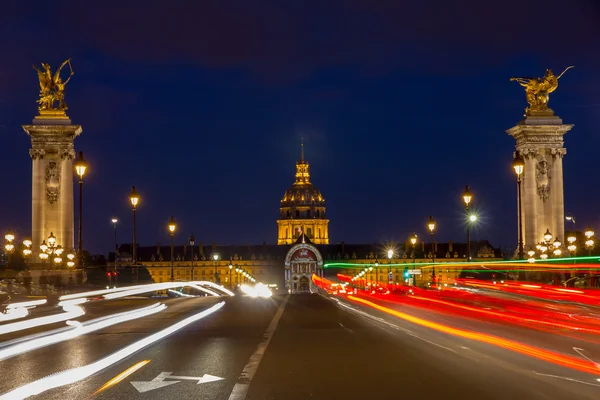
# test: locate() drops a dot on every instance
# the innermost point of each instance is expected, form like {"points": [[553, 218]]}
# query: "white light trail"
{"points": [[214, 286], [32, 303], [79, 329], [14, 313], [71, 311], [180, 294], [77, 374], [205, 290]]}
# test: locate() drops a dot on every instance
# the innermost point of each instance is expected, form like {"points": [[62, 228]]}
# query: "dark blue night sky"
{"points": [[202, 105]]}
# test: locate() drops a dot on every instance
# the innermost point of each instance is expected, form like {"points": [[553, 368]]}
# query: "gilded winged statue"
{"points": [[537, 90], [52, 87]]}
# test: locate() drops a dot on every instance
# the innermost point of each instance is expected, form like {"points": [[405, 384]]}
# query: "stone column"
{"points": [[38, 202], [52, 153], [67, 223], [539, 138], [529, 202], [558, 201]]}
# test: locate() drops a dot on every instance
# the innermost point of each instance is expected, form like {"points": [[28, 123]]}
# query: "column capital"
{"points": [[37, 153], [558, 153], [66, 154]]}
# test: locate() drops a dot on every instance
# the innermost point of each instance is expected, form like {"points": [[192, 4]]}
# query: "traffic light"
{"points": [[406, 274]]}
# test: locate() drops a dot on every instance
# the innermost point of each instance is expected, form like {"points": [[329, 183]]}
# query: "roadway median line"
{"points": [[242, 385]]}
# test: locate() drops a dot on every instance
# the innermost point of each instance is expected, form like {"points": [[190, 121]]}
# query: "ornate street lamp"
{"points": [[80, 168], [9, 246], [230, 269], [134, 199], [547, 236], [413, 242], [519, 165], [172, 228], [589, 243], [467, 197], [431, 225], [192, 242], [70, 258], [114, 222], [531, 254]]}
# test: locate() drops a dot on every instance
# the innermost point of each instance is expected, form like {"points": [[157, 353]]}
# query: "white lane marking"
{"points": [[346, 328], [240, 390], [77, 374], [580, 351], [383, 321], [566, 379], [159, 381]]}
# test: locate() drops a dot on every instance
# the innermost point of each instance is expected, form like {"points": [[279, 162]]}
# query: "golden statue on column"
{"points": [[52, 89], [538, 91]]}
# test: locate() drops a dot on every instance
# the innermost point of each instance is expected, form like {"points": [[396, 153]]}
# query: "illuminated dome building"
{"points": [[302, 210]]}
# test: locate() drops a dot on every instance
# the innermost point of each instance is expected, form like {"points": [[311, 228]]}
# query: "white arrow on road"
{"points": [[159, 381]]}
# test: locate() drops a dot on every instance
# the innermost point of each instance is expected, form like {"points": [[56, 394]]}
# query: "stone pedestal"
{"points": [[52, 155], [539, 139]]}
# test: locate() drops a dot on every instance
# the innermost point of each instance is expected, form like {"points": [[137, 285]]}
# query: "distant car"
{"points": [[583, 282]]}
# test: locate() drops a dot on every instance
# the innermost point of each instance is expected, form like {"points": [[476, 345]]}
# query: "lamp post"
{"points": [[519, 165], [80, 168], [192, 241], [172, 228], [230, 269], [114, 222], [413, 242], [376, 272], [9, 246], [572, 247], [431, 226], [557, 252], [134, 198], [570, 217], [27, 250], [467, 197], [216, 259], [390, 254], [589, 243]]}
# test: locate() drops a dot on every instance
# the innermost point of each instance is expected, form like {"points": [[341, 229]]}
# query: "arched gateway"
{"points": [[301, 261]]}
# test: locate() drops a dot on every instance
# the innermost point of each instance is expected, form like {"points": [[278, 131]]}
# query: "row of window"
{"points": [[306, 213]]}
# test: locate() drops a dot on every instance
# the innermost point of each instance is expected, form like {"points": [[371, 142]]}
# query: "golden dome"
{"points": [[302, 194]]}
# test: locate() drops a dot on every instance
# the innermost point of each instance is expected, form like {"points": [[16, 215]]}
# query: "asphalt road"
{"points": [[320, 349]]}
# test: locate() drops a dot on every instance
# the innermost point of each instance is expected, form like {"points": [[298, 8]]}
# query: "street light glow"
{"points": [[80, 165], [172, 226], [472, 217], [134, 197]]}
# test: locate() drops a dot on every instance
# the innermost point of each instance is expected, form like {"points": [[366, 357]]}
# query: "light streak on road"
{"points": [[77, 374], [541, 354], [79, 329], [505, 315], [205, 290], [175, 292], [32, 303], [14, 313], [19, 310], [214, 286], [121, 376], [71, 311]]}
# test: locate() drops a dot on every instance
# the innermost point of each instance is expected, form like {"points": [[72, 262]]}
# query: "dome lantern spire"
{"points": [[302, 174]]}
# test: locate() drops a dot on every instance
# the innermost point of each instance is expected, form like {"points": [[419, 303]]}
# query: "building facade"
{"points": [[303, 249]]}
